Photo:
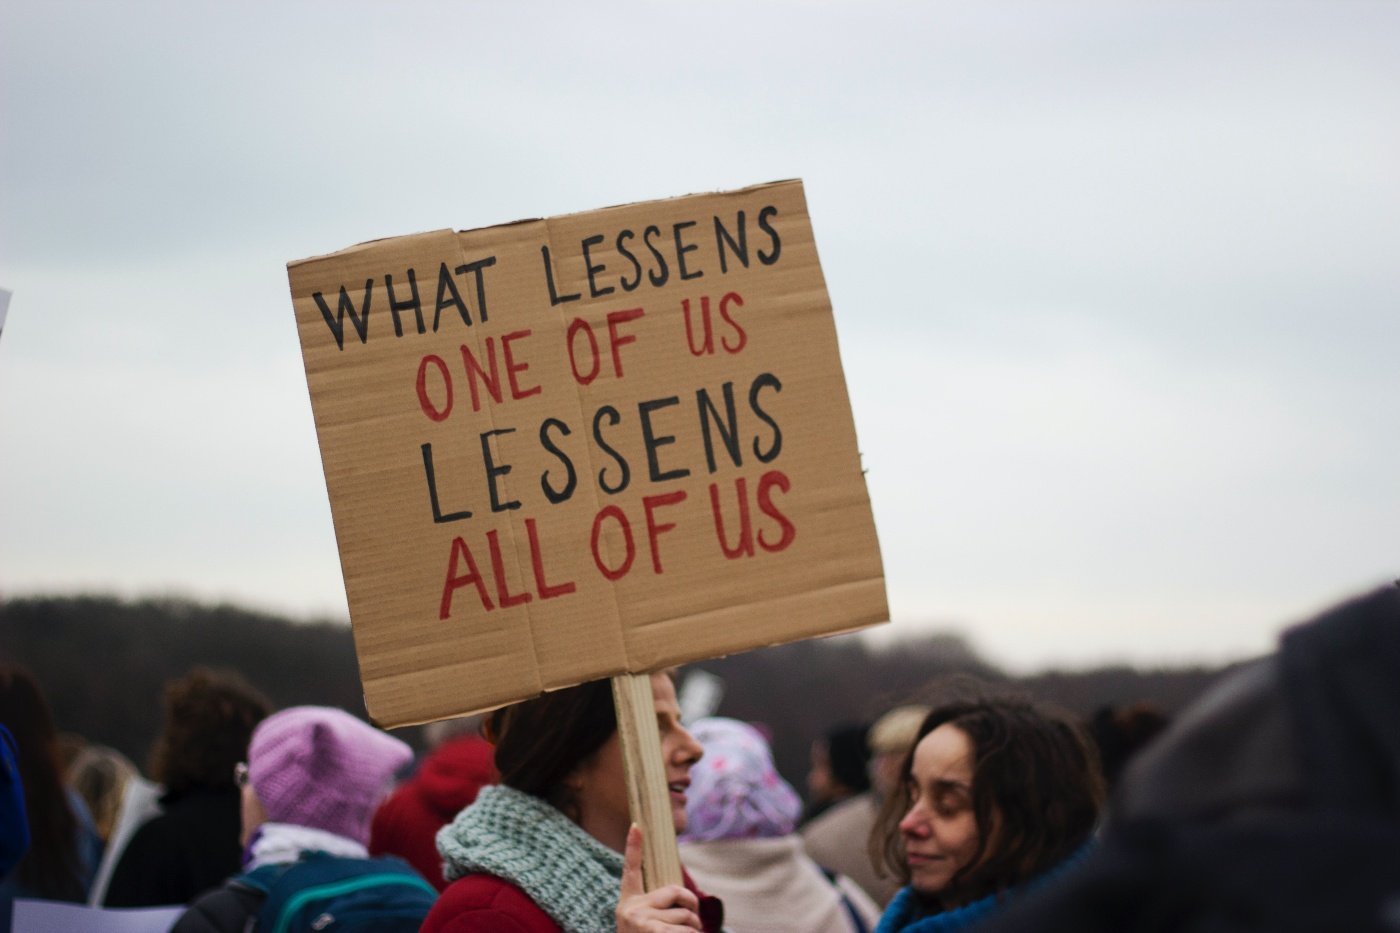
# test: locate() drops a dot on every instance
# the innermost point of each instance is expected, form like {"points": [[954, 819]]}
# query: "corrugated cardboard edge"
{"points": [[790, 603], [535, 220]]}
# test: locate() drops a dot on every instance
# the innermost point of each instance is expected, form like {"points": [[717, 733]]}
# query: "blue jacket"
{"points": [[902, 915], [899, 916], [14, 826]]}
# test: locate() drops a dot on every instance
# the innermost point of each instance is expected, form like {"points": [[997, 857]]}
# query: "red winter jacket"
{"points": [[406, 824], [487, 904]]}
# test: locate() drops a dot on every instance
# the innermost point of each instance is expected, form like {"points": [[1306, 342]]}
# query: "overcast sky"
{"points": [[1117, 285]]}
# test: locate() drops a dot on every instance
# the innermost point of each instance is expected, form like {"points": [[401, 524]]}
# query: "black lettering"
{"points": [[412, 304], [766, 381], [682, 249], [493, 471], [772, 255], [475, 268], [445, 287], [554, 297], [729, 435], [652, 442], [337, 323], [593, 270], [637, 266], [557, 496], [613, 418], [657, 279], [739, 248], [431, 475]]}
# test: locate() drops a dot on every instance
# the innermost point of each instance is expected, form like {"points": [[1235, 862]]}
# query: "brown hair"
{"points": [[100, 774], [540, 742], [53, 867], [209, 717], [1036, 795]]}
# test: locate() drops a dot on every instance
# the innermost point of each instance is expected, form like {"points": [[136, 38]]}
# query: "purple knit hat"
{"points": [[321, 767], [735, 792]]}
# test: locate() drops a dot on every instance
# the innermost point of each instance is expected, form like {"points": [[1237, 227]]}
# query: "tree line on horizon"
{"points": [[104, 663]]}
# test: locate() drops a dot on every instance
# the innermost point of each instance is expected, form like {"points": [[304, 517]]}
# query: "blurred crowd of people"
{"points": [[1271, 804]]}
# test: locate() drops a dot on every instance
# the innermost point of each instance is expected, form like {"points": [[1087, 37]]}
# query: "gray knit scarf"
{"points": [[519, 838]]}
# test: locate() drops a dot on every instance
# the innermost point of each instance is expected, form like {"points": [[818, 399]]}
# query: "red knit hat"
{"points": [[321, 767]]}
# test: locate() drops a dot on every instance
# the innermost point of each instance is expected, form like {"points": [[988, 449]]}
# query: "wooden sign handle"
{"points": [[647, 794]]}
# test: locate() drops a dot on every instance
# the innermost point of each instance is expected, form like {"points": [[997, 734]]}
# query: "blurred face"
{"points": [[252, 814], [884, 771], [600, 784], [940, 830]]}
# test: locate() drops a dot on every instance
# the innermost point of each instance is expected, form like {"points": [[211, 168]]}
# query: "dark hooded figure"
{"points": [[1272, 805]]}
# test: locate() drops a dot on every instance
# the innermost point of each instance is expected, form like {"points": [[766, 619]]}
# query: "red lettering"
{"points": [[506, 597], [460, 551], [512, 367], [537, 559], [745, 546], [651, 504], [429, 409], [708, 345], [579, 324], [493, 380], [724, 313], [616, 340], [621, 519], [765, 505]]}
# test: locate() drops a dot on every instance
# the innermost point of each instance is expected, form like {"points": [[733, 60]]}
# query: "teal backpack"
{"points": [[325, 893]]}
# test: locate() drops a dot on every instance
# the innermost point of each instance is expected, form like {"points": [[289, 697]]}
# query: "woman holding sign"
{"points": [[996, 797], [552, 848]]}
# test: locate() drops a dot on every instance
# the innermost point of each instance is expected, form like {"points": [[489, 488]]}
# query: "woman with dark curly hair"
{"points": [[193, 844], [996, 795]]}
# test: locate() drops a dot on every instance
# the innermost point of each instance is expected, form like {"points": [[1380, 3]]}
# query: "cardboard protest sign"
{"points": [[563, 449]]}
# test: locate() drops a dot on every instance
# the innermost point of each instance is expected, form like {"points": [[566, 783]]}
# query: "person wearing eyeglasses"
{"points": [[312, 781]]}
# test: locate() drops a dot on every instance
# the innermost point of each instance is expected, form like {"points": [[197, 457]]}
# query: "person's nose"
{"points": [[915, 822], [688, 749]]}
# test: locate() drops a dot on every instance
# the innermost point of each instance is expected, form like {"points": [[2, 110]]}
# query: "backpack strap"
{"points": [[264, 877], [857, 924], [294, 904], [321, 877]]}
